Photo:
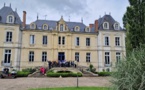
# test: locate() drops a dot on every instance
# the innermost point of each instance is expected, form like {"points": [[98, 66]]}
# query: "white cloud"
{"points": [[88, 9]]}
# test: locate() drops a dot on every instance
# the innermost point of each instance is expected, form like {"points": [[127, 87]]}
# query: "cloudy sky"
{"points": [[74, 10]]}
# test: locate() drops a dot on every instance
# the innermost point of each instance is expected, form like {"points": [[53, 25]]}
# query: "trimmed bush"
{"points": [[22, 74], [52, 74], [104, 73], [30, 70]]}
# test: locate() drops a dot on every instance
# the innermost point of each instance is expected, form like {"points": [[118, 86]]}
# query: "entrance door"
{"points": [[61, 56]]}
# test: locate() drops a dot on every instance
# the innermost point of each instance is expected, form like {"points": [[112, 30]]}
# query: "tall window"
{"points": [[45, 27], [117, 41], [59, 40], [77, 56], [106, 25], [106, 41], [7, 56], [10, 19], [63, 40], [107, 58], [87, 57], [77, 41], [118, 55], [87, 41], [44, 40], [32, 39], [31, 56], [9, 37], [61, 27], [44, 56], [116, 26]]}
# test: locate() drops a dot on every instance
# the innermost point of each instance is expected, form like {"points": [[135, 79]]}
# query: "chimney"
{"points": [[91, 25], [96, 25], [24, 19]]}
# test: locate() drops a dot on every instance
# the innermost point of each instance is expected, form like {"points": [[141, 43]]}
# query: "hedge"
{"points": [[52, 74], [22, 74], [104, 73]]}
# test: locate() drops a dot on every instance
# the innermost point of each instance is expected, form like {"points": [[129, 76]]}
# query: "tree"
{"points": [[134, 23]]}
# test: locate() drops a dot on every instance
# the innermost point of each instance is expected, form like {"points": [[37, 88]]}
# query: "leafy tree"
{"points": [[134, 23]]}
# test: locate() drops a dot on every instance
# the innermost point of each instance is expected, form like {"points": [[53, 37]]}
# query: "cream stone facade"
{"points": [[32, 45]]}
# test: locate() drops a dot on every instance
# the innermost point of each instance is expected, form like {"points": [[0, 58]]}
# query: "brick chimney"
{"points": [[96, 25], [91, 25], [24, 19]]}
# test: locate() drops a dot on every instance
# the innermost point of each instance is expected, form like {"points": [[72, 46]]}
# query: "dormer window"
{"points": [[45, 27], [105, 25], [116, 26], [32, 26], [87, 29], [61, 27], [77, 28], [10, 19]]}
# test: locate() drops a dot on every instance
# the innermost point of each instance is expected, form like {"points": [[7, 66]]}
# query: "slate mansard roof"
{"points": [[5, 11], [52, 25]]}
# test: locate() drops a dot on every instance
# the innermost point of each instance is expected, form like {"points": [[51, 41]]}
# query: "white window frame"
{"points": [[32, 26], [116, 28], [107, 58], [44, 56], [6, 56], [105, 42], [77, 28], [61, 27], [44, 40], [87, 29], [9, 36], [45, 27], [32, 39], [88, 41], [118, 57], [31, 56], [88, 57], [77, 41], [106, 27], [77, 56], [117, 43], [10, 20]]}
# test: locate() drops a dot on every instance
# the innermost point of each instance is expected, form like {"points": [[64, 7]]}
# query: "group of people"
{"points": [[61, 64]]}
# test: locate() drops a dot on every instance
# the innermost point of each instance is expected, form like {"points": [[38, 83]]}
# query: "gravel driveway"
{"points": [[26, 83]]}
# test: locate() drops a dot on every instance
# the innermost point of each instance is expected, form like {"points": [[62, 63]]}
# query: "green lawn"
{"points": [[74, 88]]}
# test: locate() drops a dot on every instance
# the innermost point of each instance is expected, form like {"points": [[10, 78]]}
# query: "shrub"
{"points": [[52, 74], [130, 72], [22, 74], [104, 73], [30, 70]]}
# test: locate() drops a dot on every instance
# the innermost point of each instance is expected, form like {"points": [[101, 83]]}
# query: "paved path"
{"points": [[26, 83]]}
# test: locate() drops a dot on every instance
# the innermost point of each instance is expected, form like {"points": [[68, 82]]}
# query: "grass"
{"points": [[74, 88]]}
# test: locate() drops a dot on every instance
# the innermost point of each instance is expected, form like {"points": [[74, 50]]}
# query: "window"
{"points": [[87, 57], [45, 27], [32, 26], [77, 28], [61, 27], [87, 29], [32, 39], [7, 56], [107, 58], [117, 41], [77, 56], [9, 37], [31, 56], [118, 55], [87, 41], [77, 41], [116, 26], [106, 25], [106, 41], [44, 40], [63, 40], [44, 56], [59, 40]]}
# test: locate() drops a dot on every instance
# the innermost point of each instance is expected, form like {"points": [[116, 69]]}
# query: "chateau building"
{"points": [[31, 45]]}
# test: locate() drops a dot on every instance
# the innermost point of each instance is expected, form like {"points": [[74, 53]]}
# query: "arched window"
{"points": [[61, 27], [87, 29], [106, 25], [45, 27], [10, 19], [77, 28], [32, 26], [116, 26]]}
